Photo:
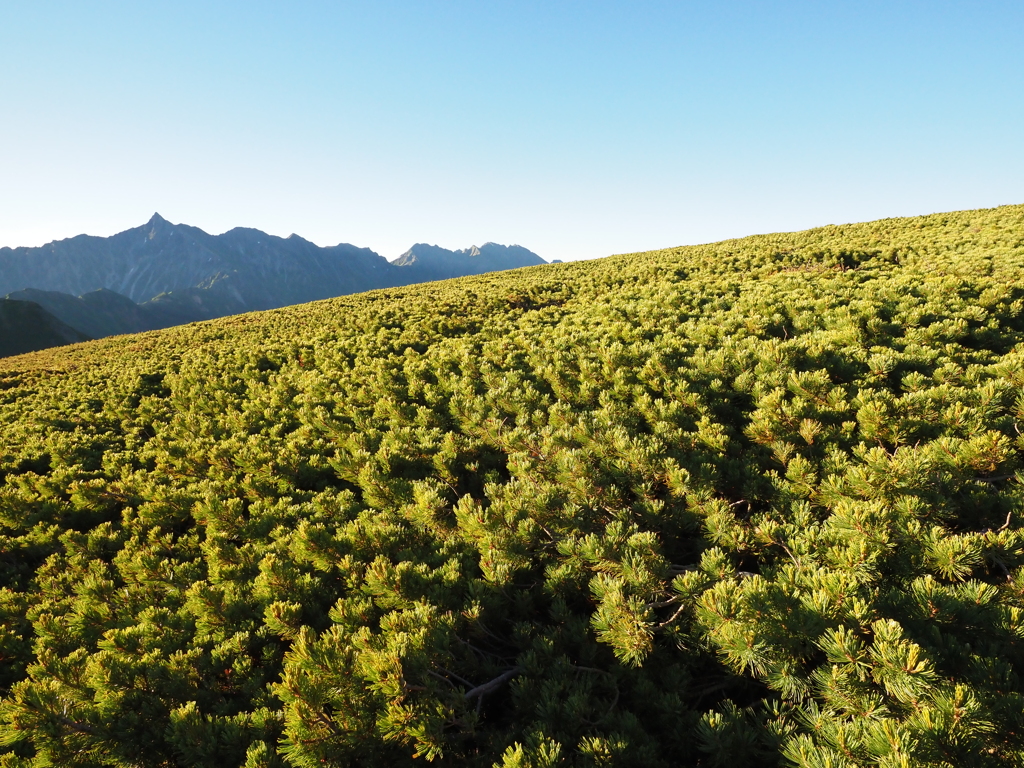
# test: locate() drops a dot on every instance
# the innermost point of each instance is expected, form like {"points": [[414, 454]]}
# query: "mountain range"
{"points": [[163, 274]]}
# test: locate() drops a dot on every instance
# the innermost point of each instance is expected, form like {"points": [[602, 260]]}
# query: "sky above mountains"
{"points": [[577, 129]]}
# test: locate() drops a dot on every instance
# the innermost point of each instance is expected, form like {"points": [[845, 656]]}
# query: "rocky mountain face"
{"points": [[244, 268], [25, 327], [163, 274], [430, 262]]}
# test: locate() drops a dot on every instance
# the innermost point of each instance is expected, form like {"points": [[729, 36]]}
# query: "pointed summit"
{"points": [[157, 226]]}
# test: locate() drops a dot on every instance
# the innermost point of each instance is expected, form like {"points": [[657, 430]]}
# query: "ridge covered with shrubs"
{"points": [[752, 503]]}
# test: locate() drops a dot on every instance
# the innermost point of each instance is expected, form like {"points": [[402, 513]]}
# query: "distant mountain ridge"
{"points": [[163, 274], [247, 269], [431, 262]]}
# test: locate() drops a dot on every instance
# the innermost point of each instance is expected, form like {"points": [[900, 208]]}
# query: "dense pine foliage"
{"points": [[754, 503]]}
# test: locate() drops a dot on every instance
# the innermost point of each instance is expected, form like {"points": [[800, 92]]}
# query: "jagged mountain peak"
{"points": [[432, 262], [419, 252]]}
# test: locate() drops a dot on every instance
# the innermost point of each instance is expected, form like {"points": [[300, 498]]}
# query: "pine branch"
{"points": [[76, 726], [323, 718], [993, 480], [673, 617], [677, 569], [483, 653], [448, 672], [442, 678], [591, 669], [493, 685], [664, 603]]}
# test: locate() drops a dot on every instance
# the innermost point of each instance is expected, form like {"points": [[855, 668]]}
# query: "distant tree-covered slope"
{"points": [[97, 313], [25, 327], [754, 503], [106, 313]]}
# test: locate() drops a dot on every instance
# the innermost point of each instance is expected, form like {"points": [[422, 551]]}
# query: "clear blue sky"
{"points": [[577, 129]]}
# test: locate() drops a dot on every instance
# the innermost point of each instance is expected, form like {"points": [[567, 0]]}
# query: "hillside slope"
{"points": [[25, 327], [752, 503]]}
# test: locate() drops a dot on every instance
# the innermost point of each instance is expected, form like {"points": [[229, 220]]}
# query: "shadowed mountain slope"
{"points": [[96, 314], [25, 327]]}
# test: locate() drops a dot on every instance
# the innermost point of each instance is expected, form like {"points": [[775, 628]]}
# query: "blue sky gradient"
{"points": [[575, 129]]}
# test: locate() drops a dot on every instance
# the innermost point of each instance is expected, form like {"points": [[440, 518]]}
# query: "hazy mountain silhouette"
{"points": [[96, 314], [430, 262], [25, 327]]}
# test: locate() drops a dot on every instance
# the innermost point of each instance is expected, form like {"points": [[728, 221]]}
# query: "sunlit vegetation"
{"points": [[754, 503]]}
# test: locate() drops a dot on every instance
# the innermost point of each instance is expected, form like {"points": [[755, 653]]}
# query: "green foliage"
{"points": [[754, 503]]}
